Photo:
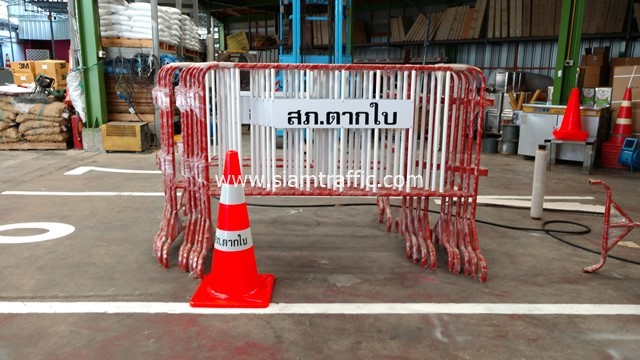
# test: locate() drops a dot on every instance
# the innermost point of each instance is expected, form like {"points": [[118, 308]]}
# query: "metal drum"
{"points": [[509, 140]]}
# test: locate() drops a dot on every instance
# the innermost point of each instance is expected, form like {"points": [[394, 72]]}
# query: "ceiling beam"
{"points": [[222, 4]]}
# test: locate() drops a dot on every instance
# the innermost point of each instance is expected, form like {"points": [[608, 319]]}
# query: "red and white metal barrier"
{"points": [[620, 227], [412, 132], [171, 225]]}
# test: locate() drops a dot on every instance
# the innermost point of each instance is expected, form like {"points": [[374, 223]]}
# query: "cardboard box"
{"points": [[23, 67], [592, 76], [23, 78], [603, 97], [55, 69], [593, 60], [621, 77], [587, 96], [595, 57], [238, 42], [622, 62]]}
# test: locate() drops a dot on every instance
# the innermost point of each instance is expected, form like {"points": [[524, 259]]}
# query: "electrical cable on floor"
{"points": [[550, 233], [585, 229]]}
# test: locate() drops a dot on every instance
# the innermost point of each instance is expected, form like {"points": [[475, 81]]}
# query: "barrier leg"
{"points": [[411, 229], [462, 239], [384, 211], [428, 235], [417, 224], [380, 203], [388, 214], [399, 223], [442, 231]]}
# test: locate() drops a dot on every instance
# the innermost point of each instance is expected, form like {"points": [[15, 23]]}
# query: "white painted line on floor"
{"points": [[548, 205], [524, 197], [318, 309], [84, 169], [82, 193], [525, 203], [54, 231]]}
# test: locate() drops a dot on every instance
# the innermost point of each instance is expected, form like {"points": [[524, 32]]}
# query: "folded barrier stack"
{"points": [[387, 131]]}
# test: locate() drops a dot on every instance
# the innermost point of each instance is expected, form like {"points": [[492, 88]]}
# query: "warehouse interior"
{"points": [[320, 179]]}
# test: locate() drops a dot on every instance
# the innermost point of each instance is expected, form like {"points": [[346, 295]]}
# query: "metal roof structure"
{"points": [[53, 6]]}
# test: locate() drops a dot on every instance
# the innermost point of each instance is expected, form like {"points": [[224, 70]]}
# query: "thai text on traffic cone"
{"points": [[571, 127], [234, 280], [623, 127]]}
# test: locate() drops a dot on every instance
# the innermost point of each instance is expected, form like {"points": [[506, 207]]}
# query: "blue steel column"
{"points": [[297, 30], [93, 68], [568, 56], [337, 38]]}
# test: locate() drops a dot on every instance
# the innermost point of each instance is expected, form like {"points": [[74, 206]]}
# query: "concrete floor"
{"points": [[318, 255]]}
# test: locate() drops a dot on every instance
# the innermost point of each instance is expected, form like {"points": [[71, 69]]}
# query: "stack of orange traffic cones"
{"points": [[234, 280], [610, 150]]}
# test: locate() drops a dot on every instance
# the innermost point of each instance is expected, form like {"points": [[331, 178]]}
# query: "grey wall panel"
{"points": [[537, 57], [33, 29], [618, 47]]}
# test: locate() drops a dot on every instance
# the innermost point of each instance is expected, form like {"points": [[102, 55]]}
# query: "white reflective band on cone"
{"points": [[233, 240], [623, 121], [626, 103], [232, 194]]}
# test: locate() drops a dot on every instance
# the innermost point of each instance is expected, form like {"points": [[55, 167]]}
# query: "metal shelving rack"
{"points": [[294, 12]]}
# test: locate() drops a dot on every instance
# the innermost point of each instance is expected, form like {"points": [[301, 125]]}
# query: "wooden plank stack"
{"points": [[400, 27], [118, 109], [604, 16], [319, 32], [537, 18], [136, 43], [455, 23]]}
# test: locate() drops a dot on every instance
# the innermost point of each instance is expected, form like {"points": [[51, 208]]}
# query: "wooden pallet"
{"points": [[168, 48], [143, 103], [25, 145], [136, 43], [122, 107], [191, 53], [131, 117]]}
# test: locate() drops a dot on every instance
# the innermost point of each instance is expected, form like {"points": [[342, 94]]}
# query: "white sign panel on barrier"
{"points": [[333, 113]]}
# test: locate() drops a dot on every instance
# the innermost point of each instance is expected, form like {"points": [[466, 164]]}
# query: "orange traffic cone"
{"points": [[571, 127], [234, 280], [623, 127]]}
